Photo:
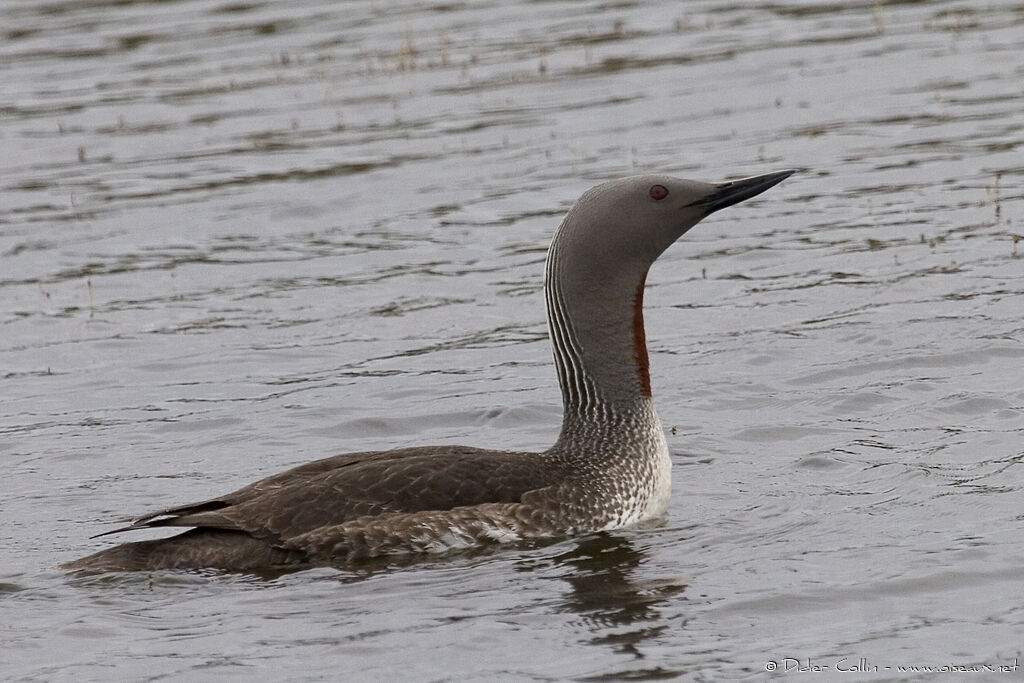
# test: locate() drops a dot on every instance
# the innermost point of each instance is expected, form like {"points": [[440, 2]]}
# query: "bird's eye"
{"points": [[658, 192]]}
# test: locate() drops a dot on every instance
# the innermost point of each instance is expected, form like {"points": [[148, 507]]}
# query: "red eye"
{"points": [[658, 192]]}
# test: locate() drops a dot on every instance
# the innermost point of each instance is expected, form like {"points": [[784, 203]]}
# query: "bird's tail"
{"points": [[194, 549]]}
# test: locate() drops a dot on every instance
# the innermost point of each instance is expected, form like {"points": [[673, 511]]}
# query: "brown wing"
{"points": [[345, 487]]}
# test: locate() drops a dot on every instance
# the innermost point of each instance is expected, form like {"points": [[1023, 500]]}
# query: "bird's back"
{"points": [[272, 522]]}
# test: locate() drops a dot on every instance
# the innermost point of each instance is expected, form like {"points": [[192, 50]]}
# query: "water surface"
{"points": [[238, 236]]}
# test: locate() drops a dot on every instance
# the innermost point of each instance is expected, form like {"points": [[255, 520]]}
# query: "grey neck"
{"points": [[595, 319]]}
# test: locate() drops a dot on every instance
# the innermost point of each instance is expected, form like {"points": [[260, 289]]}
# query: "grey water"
{"points": [[236, 236]]}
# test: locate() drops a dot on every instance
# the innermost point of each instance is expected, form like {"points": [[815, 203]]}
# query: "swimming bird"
{"points": [[609, 467]]}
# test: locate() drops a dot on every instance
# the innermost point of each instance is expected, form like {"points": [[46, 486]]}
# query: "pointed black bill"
{"points": [[727, 194]]}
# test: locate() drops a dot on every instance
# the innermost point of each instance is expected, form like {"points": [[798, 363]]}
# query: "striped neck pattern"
{"points": [[599, 348]]}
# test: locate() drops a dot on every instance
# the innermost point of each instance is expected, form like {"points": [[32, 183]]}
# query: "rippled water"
{"points": [[237, 236]]}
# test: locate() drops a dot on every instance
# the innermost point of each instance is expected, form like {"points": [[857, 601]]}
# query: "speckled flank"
{"points": [[609, 467]]}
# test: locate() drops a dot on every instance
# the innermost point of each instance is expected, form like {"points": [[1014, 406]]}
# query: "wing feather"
{"points": [[345, 487]]}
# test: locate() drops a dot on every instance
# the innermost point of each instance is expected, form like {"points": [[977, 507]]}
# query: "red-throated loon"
{"points": [[609, 468]]}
